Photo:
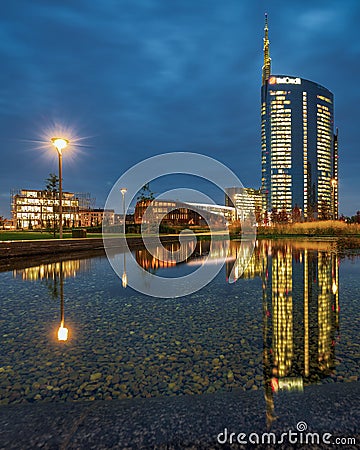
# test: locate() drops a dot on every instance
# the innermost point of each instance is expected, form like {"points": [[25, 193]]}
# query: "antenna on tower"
{"points": [[266, 69]]}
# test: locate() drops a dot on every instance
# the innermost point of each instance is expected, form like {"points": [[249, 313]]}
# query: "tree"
{"points": [[145, 193], [324, 210], [283, 216], [52, 185], [266, 218], [274, 215], [296, 214], [353, 219], [258, 214], [52, 191]]}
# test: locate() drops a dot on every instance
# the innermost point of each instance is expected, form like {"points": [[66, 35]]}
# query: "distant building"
{"points": [[9, 224], [299, 149], [180, 213], [228, 212], [96, 217], [166, 211], [247, 201], [31, 209], [118, 218]]}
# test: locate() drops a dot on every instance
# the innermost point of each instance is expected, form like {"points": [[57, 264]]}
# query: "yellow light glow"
{"points": [[59, 143], [63, 333], [124, 280], [334, 287], [123, 190]]}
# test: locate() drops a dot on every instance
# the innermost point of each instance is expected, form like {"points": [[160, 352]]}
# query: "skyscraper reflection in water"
{"points": [[300, 286]]}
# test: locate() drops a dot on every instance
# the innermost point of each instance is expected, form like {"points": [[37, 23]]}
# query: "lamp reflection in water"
{"points": [[63, 332], [124, 278]]}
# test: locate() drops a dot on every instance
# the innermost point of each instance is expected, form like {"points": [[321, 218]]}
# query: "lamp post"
{"points": [[60, 144], [123, 192]]}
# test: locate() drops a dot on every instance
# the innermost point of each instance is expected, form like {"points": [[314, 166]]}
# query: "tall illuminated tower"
{"points": [[299, 149]]}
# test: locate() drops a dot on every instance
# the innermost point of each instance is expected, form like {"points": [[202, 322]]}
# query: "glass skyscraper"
{"points": [[299, 149]]}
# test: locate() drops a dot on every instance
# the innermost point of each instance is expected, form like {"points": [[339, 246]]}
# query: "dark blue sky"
{"points": [[137, 78]]}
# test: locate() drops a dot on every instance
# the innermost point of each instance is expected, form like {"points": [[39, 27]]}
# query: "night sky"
{"points": [[129, 79]]}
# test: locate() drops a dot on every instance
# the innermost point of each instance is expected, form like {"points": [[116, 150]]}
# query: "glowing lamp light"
{"points": [[63, 332], [59, 143]]}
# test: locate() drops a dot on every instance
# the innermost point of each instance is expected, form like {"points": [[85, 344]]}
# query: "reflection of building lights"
{"points": [[63, 332], [274, 384], [236, 272], [51, 270], [334, 287]]}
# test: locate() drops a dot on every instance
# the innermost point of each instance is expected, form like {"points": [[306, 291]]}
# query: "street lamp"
{"points": [[123, 192], [60, 144]]}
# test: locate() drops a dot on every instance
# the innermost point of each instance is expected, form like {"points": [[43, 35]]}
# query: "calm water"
{"points": [[290, 320]]}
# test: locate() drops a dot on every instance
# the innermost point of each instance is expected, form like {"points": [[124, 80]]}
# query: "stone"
{"points": [[95, 376]]}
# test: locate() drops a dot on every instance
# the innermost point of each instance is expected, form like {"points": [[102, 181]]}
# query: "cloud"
{"points": [[151, 76]]}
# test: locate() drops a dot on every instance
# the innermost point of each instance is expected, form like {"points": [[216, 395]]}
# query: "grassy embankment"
{"points": [[37, 235], [33, 235], [328, 228], [307, 229]]}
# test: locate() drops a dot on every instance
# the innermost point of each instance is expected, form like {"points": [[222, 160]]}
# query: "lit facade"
{"points": [[96, 217], [247, 201], [299, 149], [228, 212], [36, 209], [32, 208], [180, 213]]}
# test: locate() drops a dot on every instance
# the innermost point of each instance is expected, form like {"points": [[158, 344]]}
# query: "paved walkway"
{"points": [[183, 422]]}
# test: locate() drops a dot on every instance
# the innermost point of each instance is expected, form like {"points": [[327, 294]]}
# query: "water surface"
{"points": [[290, 320]]}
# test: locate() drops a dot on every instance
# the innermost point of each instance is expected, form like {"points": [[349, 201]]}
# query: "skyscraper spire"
{"points": [[266, 70]]}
